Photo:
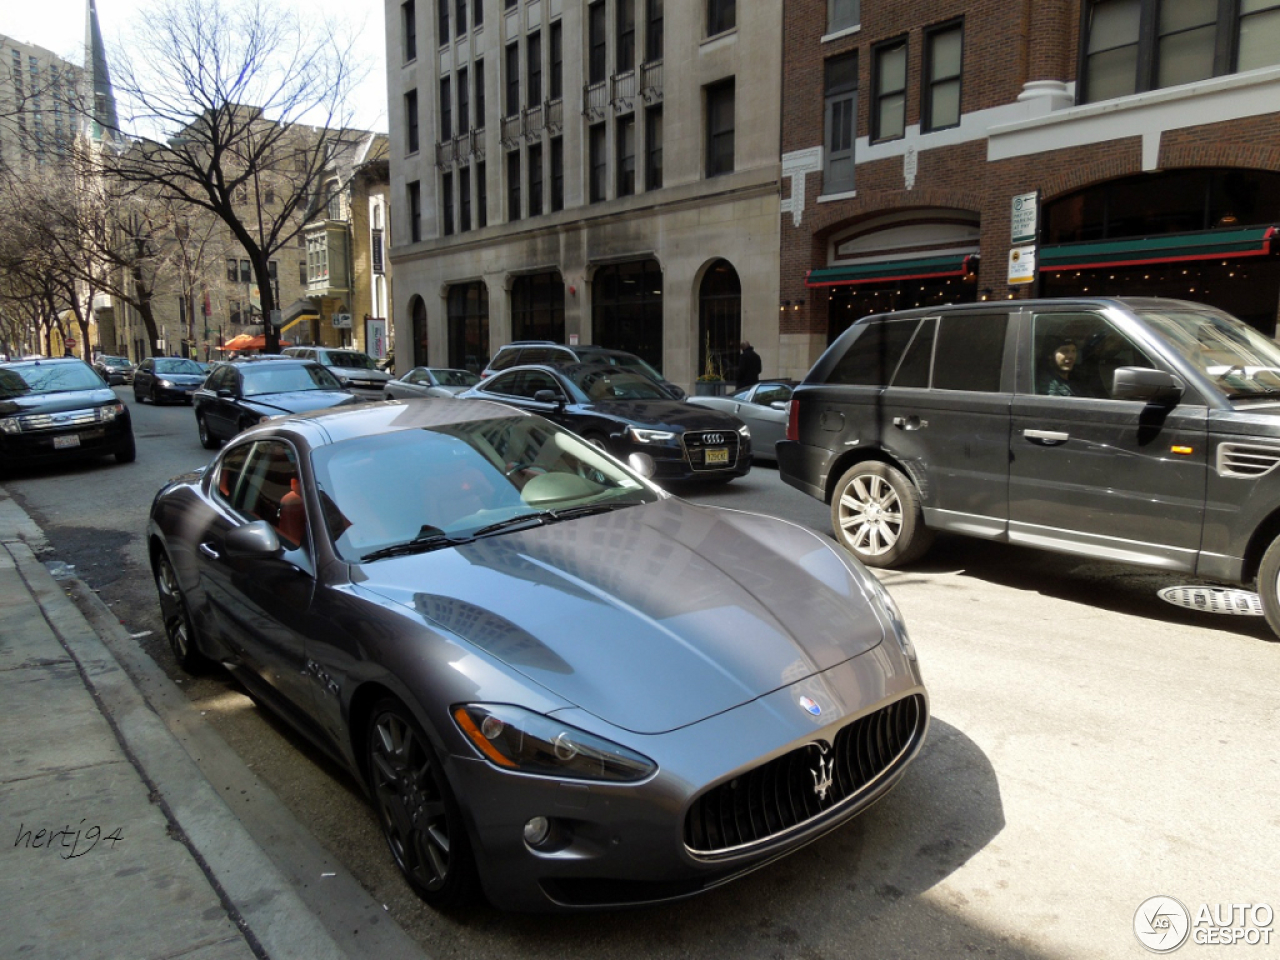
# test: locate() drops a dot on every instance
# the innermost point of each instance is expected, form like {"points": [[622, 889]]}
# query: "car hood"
{"points": [[300, 401], [57, 402], [666, 413], [652, 617]]}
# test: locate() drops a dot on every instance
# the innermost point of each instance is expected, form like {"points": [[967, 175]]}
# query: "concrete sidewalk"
{"points": [[115, 844]]}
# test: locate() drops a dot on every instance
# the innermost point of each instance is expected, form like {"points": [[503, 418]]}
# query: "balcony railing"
{"points": [[533, 123], [651, 81], [446, 154], [554, 112], [623, 92], [596, 100], [512, 128]]}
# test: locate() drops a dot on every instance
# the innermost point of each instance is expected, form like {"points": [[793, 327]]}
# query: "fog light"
{"points": [[536, 831], [642, 464]]}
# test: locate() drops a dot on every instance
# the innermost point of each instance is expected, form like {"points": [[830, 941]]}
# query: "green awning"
{"points": [[957, 265], [1168, 248]]}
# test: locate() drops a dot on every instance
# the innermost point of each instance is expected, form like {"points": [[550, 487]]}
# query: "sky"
{"points": [[59, 26]]}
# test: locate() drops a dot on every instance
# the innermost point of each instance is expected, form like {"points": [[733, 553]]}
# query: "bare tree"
{"points": [[242, 106]]}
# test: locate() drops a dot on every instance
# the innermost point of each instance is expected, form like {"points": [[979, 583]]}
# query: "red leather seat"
{"points": [[293, 515]]}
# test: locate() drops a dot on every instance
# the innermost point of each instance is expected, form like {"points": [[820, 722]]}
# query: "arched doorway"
{"points": [[719, 321], [420, 339]]}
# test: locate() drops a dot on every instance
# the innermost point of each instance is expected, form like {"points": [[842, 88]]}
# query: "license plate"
{"points": [[66, 442], [719, 455]]}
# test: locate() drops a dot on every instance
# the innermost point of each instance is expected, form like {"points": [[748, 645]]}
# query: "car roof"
{"points": [[336, 424], [1126, 303], [63, 361]]}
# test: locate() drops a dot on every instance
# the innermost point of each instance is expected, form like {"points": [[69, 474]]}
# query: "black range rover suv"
{"points": [[1143, 431]]}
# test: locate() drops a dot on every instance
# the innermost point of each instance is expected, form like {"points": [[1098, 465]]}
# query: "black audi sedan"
{"points": [[60, 409], [629, 415], [237, 396]]}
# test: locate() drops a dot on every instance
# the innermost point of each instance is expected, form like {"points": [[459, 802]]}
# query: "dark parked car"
{"points": [[631, 416], [60, 409], [236, 396], [160, 379], [431, 382], [114, 370], [525, 352], [555, 681], [1137, 430], [762, 407]]}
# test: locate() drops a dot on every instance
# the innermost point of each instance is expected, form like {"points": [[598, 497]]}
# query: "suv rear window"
{"points": [[873, 352]]}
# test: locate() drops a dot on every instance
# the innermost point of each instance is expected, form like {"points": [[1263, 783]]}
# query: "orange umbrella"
{"points": [[245, 342]]}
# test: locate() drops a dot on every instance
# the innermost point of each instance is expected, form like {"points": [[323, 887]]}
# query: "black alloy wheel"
{"points": [[419, 816], [177, 620], [155, 395], [207, 439]]}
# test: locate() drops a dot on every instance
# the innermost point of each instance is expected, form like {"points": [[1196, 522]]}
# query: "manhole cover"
{"points": [[1240, 603]]}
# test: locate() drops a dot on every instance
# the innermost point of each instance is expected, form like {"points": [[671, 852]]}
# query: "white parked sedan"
{"points": [[762, 407], [431, 382]]}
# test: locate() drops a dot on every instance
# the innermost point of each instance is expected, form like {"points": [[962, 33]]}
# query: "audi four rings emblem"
{"points": [[713, 438]]}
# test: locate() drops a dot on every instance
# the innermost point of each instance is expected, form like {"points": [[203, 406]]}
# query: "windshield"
{"points": [[177, 365], [37, 378], [279, 378], [351, 360], [463, 480], [455, 378], [1238, 359], [115, 362], [616, 383]]}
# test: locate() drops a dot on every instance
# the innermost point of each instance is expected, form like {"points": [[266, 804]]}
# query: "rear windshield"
{"points": [[38, 378], [350, 360]]}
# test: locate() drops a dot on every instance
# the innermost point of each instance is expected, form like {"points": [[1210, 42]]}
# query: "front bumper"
{"points": [[625, 844], [36, 447], [674, 461]]}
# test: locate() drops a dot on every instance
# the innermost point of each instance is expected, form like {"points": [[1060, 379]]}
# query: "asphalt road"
{"points": [[1091, 747]]}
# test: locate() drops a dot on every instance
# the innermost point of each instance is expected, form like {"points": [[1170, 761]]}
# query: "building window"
{"points": [[513, 186], [479, 98], [1258, 43], [597, 162], [537, 307], [722, 15], [626, 24], [653, 148], [464, 199], [626, 154], [597, 62], [468, 318], [719, 319], [557, 61], [442, 21], [557, 173], [482, 196], [513, 80], [941, 89], [409, 24], [446, 202], [411, 121], [415, 211], [720, 129], [535, 179], [843, 14], [460, 18], [653, 30], [889, 116], [626, 308], [533, 64], [841, 115], [1187, 33], [464, 102], [446, 109], [477, 13]]}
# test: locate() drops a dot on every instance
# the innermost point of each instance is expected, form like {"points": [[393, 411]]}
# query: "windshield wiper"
{"points": [[428, 539], [523, 520], [587, 509]]}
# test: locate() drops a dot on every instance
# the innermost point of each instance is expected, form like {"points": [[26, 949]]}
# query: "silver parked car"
{"points": [[762, 407], [559, 684], [431, 382], [355, 370]]}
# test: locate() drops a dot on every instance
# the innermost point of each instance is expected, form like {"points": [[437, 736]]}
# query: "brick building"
{"points": [[1148, 128]]}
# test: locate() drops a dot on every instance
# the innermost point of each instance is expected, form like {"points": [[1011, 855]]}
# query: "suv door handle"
{"points": [[1046, 438], [910, 423]]}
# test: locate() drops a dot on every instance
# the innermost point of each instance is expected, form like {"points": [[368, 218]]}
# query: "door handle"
{"points": [[910, 423], [1046, 438], [208, 551]]}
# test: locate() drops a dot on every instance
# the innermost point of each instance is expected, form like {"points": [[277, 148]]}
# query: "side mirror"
{"points": [[549, 396], [255, 540], [1147, 385], [225, 393], [781, 405]]}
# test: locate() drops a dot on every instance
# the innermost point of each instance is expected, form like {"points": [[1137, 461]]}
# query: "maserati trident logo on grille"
{"points": [[823, 778]]}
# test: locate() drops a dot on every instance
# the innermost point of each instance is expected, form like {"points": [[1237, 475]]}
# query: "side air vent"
{"points": [[1246, 460]]}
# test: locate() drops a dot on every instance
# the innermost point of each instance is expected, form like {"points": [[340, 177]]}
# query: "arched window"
{"points": [[719, 321], [469, 326], [419, 332]]}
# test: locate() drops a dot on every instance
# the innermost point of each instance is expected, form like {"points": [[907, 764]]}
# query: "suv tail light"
{"points": [[793, 421]]}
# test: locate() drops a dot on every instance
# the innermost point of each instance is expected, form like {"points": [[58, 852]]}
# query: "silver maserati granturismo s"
{"points": [[562, 687]]}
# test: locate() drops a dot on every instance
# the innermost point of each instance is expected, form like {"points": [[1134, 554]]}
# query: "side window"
{"points": [[271, 491], [222, 377], [970, 352], [873, 352], [916, 366], [1077, 355], [418, 376], [505, 385], [146, 365], [230, 471], [531, 381], [768, 395], [539, 355]]}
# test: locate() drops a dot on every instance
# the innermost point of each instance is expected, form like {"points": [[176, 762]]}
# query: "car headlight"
{"points": [[641, 435], [165, 383], [10, 425], [745, 431], [109, 412], [522, 741]]}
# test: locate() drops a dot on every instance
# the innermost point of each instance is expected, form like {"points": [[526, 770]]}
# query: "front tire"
{"points": [[876, 515], [207, 439], [419, 816], [127, 452], [1269, 586], [177, 619]]}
